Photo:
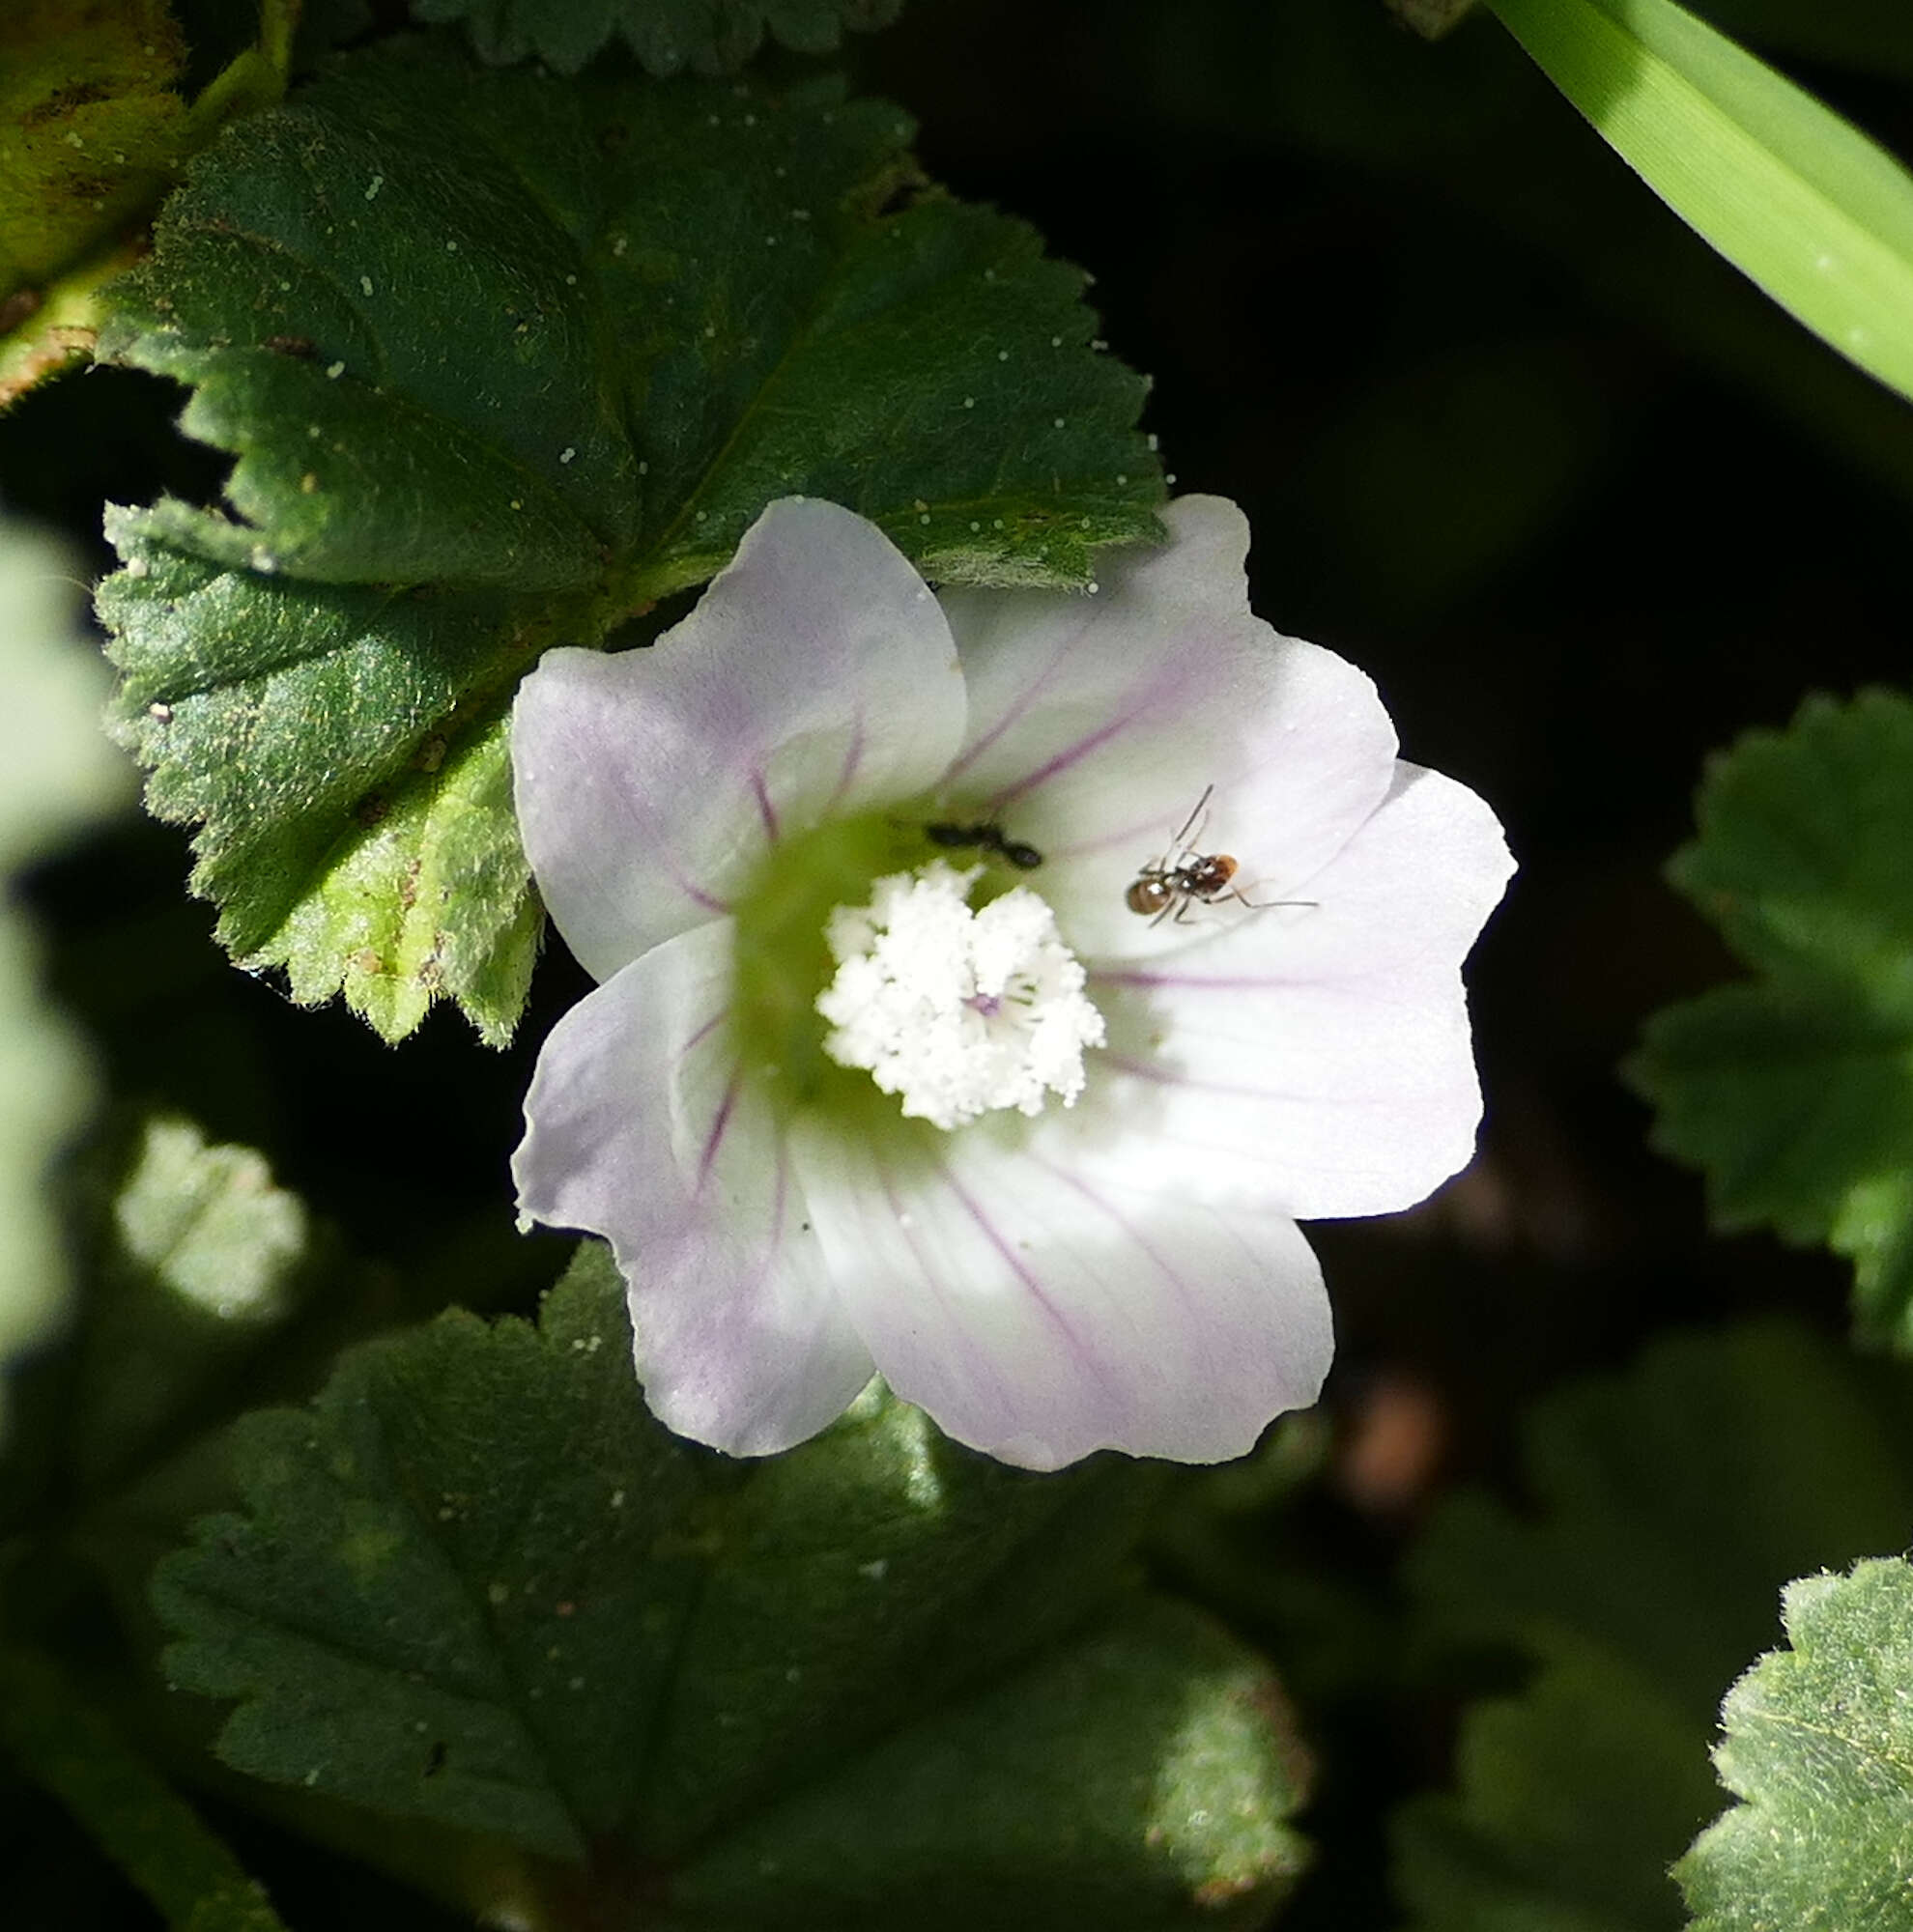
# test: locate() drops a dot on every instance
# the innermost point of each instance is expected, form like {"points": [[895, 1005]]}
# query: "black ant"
{"points": [[1193, 878], [989, 838]]}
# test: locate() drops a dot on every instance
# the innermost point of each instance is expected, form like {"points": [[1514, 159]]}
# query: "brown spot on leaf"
{"points": [[16, 307]]}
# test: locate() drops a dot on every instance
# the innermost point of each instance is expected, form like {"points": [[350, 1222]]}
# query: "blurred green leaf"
{"points": [[709, 37], [64, 1745], [1819, 1746], [1669, 1507], [57, 773], [505, 362], [477, 1586], [1806, 206], [191, 1266], [1794, 1092], [197, 1260]]}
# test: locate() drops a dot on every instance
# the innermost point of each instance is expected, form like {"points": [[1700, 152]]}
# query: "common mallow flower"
{"points": [[885, 1072]]}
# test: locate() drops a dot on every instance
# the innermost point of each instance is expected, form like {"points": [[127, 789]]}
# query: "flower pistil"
{"points": [[958, 1012]]}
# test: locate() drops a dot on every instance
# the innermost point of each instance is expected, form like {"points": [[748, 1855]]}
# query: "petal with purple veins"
{"points": [[815, 678], [1316, 1056], [640, 1127], [1097, 721], [1038, 1314]]}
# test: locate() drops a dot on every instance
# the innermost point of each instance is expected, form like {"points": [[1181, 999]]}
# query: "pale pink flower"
{"points": [[1098, 1247]]}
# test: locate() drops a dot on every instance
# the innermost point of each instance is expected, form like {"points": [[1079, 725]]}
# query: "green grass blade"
{"points": [[1812, 211]]}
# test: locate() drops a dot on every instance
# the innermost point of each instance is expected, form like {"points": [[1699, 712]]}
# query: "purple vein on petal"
{"points": [[704, 1032], [696, 894], [715, 1138], [1024, 699], [1097, 1199], [1140, 703], [933, 1281], [853, 757], [1086, 1355], [1126, 975], [1162, 1077], [767, 811]]}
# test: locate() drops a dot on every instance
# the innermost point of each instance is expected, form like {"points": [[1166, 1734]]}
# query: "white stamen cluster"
{"points": [[958, 1012]]}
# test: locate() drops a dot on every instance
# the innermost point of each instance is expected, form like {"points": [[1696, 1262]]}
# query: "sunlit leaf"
{"points": [[503, 361], [1820, 1750], [1816, 214]]}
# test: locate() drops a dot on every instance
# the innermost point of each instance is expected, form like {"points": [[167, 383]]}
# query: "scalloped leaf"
{"points": [[1794, 1092], [708, 37], [503, 361], [477, 1586], [1819, 1746], [1670, 1505]]}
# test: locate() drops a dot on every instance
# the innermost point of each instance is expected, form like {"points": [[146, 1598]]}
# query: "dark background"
{"points": [[1511, 439]]}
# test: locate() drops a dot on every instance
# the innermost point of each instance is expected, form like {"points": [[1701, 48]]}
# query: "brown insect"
{"points": [[990, 837], [1182, 876]]}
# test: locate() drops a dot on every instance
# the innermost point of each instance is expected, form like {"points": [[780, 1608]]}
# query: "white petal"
{"points": [[638, 1128], [1317, 1056], [1038, 1316], [1096, 722], [816, 677]]}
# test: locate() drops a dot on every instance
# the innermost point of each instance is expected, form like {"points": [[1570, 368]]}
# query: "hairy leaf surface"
{"points": [[502, 361], [1820, 1750], [477, 1586]]}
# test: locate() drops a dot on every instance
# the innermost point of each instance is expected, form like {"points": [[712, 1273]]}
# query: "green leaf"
{"points": [[1813, 211], [197, 1259], [708, 37], [1154, 1727], [1670, 1506], [1573, 1798], [94, 127], [156, 1839], [1794, 1092], [1819, 1746], [475, 1585], [503, 362], [190, 1264], [57, 774]]}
